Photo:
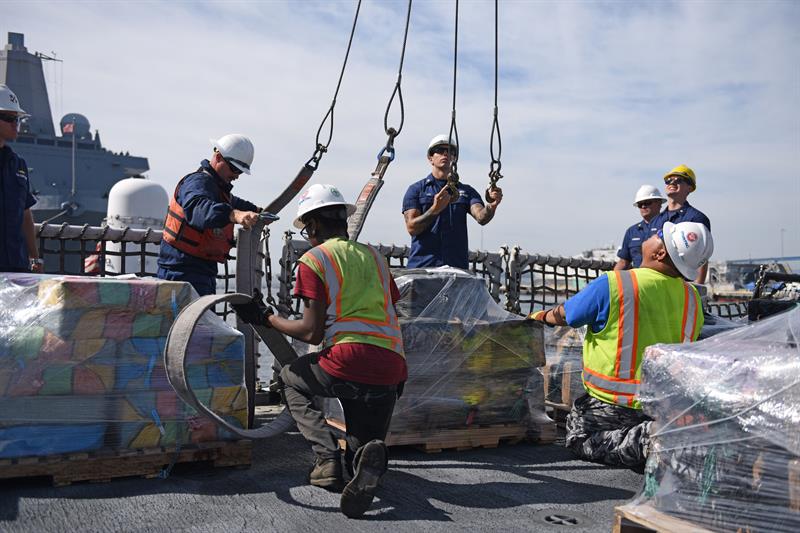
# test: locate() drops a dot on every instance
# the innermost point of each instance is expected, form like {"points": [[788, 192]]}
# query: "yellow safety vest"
{"points": [[646, 308], [359, 298]]}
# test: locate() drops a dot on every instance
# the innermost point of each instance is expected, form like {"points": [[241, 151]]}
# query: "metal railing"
{"points": [[520, 281]]}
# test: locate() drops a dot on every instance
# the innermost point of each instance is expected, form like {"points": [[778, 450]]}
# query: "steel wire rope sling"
{"points": [[370, 191], [495, 165], [311, 165], [182, 329], [452, 176]]}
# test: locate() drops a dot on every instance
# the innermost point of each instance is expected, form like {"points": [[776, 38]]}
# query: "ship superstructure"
{"points": [[70, 172]]}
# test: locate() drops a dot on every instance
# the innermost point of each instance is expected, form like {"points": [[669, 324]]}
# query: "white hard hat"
{"points": [[9, 101], [318, 196], [647, 192], [689, 245], [236, 149], [441, 140]]}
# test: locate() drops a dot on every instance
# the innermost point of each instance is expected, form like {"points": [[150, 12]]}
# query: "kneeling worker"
{"points": [[198, 230], [625, 312], [348, 296]]}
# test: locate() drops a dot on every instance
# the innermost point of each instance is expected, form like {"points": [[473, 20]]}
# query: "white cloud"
{"points": [[595, 99]]}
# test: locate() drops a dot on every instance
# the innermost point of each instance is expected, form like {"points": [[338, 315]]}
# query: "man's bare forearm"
{"points": [[417, 224], [485, 214]]}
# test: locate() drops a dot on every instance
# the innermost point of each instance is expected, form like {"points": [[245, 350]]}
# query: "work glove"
{"points": [[255, 311], [538, 316]]}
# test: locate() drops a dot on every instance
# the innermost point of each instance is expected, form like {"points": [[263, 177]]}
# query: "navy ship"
{"points": [[71, 173]]}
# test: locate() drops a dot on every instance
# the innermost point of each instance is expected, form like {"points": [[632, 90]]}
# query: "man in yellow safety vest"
{"points": [[348, 295], [626, 311]]}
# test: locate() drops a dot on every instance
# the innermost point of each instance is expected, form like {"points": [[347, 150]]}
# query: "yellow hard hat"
{"points": [[683, 171]]}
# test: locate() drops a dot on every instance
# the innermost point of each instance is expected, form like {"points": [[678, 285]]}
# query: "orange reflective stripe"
{"points": [[337, 272], [317, 263]]}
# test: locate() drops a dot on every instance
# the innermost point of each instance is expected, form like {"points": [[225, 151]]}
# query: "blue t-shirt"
{"points": [[590, 306], [15, 198], [631, 249], [445, 242], [686, 213]]}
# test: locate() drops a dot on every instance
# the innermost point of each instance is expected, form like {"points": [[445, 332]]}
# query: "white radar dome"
{"points": [[135, 203]]}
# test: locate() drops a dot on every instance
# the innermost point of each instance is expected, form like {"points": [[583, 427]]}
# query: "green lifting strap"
{"points": [[175, 362]]}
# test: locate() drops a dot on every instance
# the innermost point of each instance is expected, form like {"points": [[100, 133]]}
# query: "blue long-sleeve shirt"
{"points": [[204, 208]]}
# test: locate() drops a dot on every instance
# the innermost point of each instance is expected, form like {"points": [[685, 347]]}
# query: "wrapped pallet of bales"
{"points": [[470, 362], [81, 367], [725, 446]]}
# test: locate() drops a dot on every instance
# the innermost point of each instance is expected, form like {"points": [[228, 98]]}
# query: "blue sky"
{"points": [[596, 99]]}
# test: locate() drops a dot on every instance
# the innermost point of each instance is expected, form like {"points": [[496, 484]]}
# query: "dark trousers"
{"points": [[611, 434], [204, 285], [367, 408]]}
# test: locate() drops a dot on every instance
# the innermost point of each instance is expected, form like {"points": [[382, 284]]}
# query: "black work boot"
{"points": [[370, 464], [327, 473]]}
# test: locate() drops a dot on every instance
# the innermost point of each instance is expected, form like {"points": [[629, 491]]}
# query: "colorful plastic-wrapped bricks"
{"points": [[81, 366]]}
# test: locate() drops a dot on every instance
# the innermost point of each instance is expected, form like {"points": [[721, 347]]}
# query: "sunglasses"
{"points": [[443, 149], [676, 181], [236, 170], [660, 234], [10, 119], [645, 203]]}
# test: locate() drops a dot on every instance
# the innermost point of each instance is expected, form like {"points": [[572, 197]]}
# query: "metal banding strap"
{"points": [[175, 363]]}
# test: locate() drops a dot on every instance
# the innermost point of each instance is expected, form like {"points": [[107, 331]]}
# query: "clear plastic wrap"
{"points": [[725, 450], [563, 348], [81, 366], [470, 362]]}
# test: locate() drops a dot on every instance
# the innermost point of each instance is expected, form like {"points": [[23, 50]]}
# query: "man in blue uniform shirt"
{"points": [[198, 231], [679, 183], [18, 251], [437, 220], [648, 199]]}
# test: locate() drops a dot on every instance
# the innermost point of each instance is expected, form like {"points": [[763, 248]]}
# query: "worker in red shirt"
{"points": [[348, 295]]}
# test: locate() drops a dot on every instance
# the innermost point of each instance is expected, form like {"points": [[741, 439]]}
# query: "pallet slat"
{"points": [[467, 438], [148, 462], [644, 518]]}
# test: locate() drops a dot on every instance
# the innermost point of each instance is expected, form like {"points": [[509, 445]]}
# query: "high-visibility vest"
{"points": [[211, 244], [646, 308], [358, 286]]}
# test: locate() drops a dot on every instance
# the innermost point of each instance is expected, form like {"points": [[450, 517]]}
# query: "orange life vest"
{"points": [[212, 244]]}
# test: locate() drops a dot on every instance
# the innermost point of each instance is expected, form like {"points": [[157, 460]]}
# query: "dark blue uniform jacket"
{"points": [[15, 198], [204, 208]]}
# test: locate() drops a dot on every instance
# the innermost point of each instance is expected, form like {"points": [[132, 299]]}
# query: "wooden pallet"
{"points": [[645, 519], [467, 438], [103, 465]]}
